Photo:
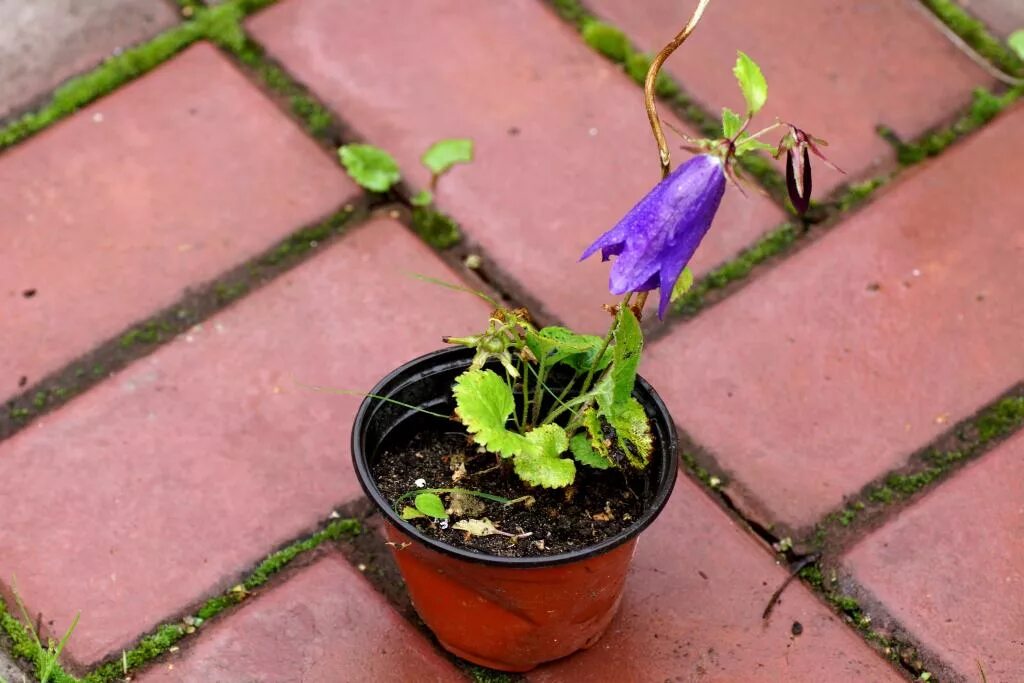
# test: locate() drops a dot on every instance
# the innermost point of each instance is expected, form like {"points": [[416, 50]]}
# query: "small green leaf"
{"points": [[683, 284], [731, 123], [484, 402], [606, 39], [444, 154], [1016, 42], [409, 512], [752, 82], [540, 464], [371, 167], [585, 454], [422, 198], [430, 505]]}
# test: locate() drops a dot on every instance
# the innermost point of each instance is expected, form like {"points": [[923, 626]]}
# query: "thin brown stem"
{"points": [[652, 77]]}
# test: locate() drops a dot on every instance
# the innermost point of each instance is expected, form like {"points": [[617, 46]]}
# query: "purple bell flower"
{"points": [[656, 239]]}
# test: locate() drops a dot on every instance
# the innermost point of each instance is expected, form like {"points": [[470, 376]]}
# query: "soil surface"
{"points": [[598, 505]]}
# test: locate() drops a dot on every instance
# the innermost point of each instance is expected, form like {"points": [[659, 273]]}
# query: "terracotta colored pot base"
{"points": [[507, 613], [512, 618]]}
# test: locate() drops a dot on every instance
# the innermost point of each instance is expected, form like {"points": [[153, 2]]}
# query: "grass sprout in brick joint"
{"points": [[527, 449]]}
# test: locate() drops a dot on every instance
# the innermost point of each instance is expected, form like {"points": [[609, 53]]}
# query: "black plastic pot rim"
{"points": [[665, 483]]}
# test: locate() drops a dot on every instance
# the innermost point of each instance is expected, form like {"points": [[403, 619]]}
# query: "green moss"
{"points": [[214, 22], [309, 238], [150, 332], [25, 647], [436, 229], [227, 292], [482, 675], [606, 39], [1001, 419], [572, 11], [19, 413], [857, 193], [167, 635], [975, 34], [984, 107], [846, 516], [772, 244]]}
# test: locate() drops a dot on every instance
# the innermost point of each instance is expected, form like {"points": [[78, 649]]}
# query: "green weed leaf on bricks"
{"points": [[1016, 42], [752, 82], [444, 154], [371, 167]]}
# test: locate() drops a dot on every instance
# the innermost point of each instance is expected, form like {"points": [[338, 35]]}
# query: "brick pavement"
{"points": [[152, 494]]}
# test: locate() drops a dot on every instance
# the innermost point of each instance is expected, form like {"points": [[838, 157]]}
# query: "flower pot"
{"points": [[509, 613]]}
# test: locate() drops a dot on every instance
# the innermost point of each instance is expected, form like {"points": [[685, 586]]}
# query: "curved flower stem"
{"points": [[652, 77]]}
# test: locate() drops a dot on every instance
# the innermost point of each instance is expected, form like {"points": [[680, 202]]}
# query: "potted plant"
{"points": [[516, 469]]}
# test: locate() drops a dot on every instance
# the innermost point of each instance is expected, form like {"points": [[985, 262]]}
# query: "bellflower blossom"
{"points": [[657, 238]]}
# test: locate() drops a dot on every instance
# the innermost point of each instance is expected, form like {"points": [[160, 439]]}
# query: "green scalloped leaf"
{"points": [[1016, 42], [556, 344], [540, 464], [484, 403]]}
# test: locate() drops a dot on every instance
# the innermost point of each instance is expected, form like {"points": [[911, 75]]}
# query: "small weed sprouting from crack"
{"points": [[167, 635]]}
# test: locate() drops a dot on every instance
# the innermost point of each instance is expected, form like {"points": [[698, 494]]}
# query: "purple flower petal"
{"points": [[656, 239]]}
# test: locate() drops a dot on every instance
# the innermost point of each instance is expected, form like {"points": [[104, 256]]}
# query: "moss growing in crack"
{"points": [[25, 647], [1001, 419], [150, 332], [436, 229], [775, 242], [985, 106], [975, 34], [857, 193], [482, 675], [219, 23], [315, 117], [167, 635], [572, 11], [310, 238]]}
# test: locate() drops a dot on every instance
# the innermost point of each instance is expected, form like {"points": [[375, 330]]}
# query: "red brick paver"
{"points": [[837, 68], [951, 567], [1002, 16], [563, 147], [830, 370], [161, 485], [325, 624], [692, 611], [111, 214], [43, 43]]}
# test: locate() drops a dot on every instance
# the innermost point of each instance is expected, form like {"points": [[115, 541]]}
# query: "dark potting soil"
{"points": [[599, 504]]}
